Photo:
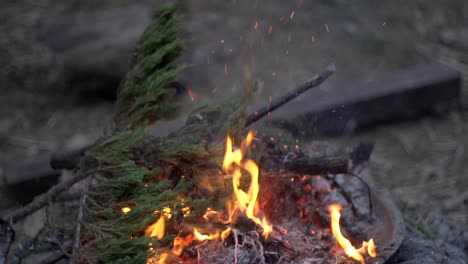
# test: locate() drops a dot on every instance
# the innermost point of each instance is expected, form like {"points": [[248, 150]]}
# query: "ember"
{"points": [[242, 231]]}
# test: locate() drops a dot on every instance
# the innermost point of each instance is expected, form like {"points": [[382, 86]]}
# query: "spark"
{"points": [[313, 39], [384, 24], [256, 25], [292, 15], [222, 41], [327, 28]]}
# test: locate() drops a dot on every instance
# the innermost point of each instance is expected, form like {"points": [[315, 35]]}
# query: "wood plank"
{"points": [[399, 95]]}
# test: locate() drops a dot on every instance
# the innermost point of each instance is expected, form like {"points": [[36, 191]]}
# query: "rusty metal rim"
{"points": [[393, 229]]}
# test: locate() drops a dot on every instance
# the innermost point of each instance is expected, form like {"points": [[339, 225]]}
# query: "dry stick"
{"points": [[44, 198], [315, 81], [84, 196]]}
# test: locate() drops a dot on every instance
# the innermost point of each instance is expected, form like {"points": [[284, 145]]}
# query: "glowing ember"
{"points": [[125, 210], [246, 202], [350, 250]]}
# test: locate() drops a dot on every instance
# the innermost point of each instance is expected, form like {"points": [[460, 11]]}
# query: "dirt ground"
{"points": [[283, 43]]}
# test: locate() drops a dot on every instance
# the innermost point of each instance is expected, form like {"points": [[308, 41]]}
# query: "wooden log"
{"points": [[394, 96], [342, 162]]}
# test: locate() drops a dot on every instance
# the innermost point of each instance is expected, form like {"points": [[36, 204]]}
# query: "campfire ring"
{"points": [[391, 230]]}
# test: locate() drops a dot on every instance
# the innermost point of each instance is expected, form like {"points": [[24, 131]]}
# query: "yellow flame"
{"points": [[246, 202], [371, 248], [350, 250], [163, 258], [225, 233], [201, 237], [157, 229]]}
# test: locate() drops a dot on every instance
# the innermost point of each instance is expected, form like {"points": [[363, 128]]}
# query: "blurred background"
{"points": [[63, 60]]}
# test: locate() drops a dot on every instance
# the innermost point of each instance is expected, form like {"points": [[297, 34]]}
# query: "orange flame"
{"points": [[246, 202], [157, 229], [350, 250]]}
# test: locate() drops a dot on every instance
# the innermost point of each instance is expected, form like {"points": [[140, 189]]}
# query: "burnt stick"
{"points": [[319, 165], [275, 104], [343, 162]]}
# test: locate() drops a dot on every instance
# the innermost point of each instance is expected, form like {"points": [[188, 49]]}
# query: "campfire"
{"points": [[256, 229], [196, 196]]}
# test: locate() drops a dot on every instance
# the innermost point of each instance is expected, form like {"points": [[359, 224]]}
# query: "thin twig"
{"points": [[369, 197], [84, 196], [43, 199], [315, 81], [236, 244]]}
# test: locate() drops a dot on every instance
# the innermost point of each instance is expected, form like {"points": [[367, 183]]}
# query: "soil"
{"points": [[282, 43]]}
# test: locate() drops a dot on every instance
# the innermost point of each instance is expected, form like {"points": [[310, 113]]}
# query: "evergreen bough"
{"points": [[150, 174]]}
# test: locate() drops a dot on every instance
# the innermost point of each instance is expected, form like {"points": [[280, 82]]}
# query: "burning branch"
{"points": [[315, 81]]}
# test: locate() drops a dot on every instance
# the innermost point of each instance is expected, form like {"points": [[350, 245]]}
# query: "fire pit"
{"points": [[284, 217]]}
